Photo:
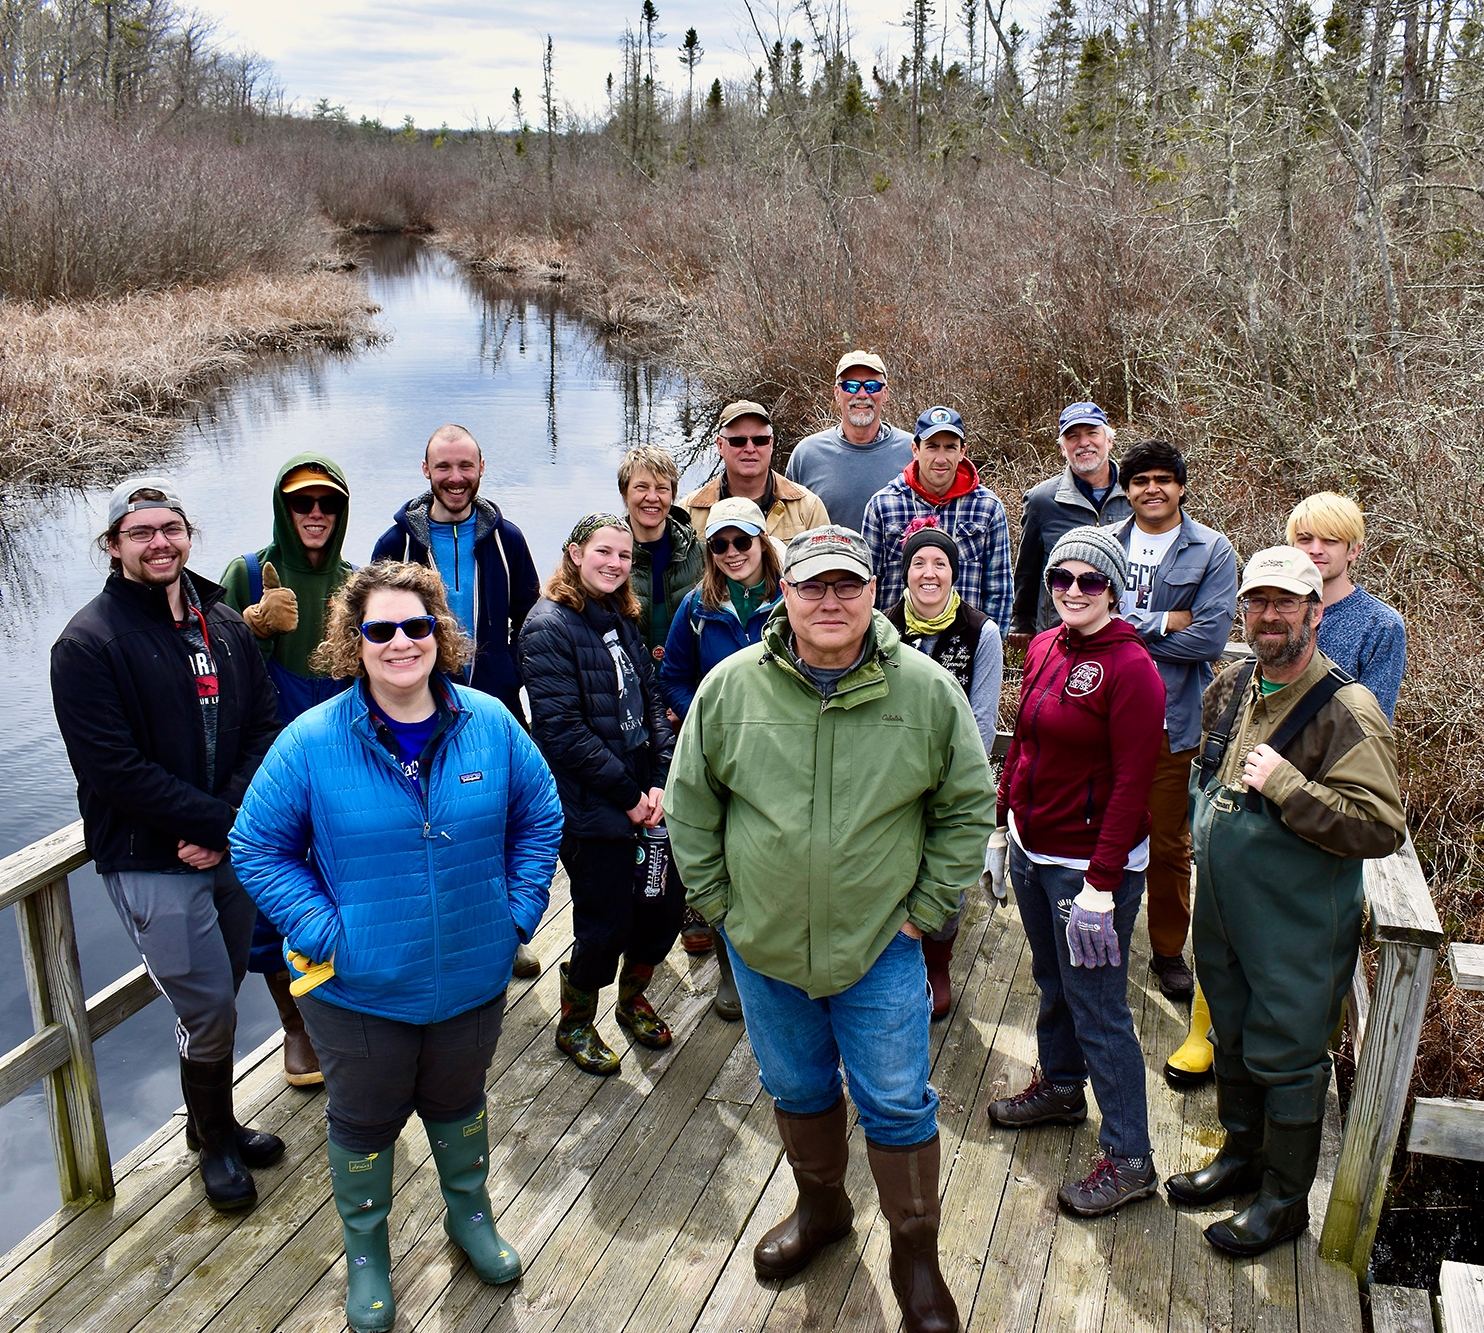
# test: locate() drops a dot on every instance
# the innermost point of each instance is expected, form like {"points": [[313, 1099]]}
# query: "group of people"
{"points": [[758, 719]]}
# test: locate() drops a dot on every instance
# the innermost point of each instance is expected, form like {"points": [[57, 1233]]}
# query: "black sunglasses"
{"points": [[741, 543], [329, 505], [1091, 582], [742, 441], [384, 631], [870, 386]]}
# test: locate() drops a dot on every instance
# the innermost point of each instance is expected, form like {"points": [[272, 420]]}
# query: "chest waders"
{"points": [[1276, 927]]}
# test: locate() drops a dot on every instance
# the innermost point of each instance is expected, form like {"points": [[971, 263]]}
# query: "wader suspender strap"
{"points": [[1219, 737]]}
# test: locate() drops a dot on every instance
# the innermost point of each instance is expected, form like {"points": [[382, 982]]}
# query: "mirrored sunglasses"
{"points": [[872, 387]]}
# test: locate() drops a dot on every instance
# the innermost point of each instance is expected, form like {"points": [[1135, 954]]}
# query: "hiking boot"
{"points": [[907, 1181], [1042, 1103], [937, 954], [636, 1013], [362, 1186], [526, 963], [300, 1063], [1113, 1182], [1281, 1210], [1238, 1168], [695, 934], [818, 1152], [576, 1035], [1190, 1066], [727, 1004], [461, 1154], [1175, 979]]}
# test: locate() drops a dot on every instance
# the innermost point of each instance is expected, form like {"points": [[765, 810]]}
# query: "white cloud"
{"points": [[453, 61]]}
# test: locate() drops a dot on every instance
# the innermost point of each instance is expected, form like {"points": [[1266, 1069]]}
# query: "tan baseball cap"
{"points": [[310, 474], [1283, 567], [743, 407], [736, 511], [820, 550], [859, 358]]}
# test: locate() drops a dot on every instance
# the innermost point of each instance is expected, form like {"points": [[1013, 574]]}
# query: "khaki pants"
{"points": [[1168, 876]]}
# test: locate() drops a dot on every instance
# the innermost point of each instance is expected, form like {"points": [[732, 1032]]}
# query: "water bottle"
{"points": [[651, 861]]}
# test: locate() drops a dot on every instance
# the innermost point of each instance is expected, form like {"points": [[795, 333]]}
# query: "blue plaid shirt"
{"points": [[975, 521]]}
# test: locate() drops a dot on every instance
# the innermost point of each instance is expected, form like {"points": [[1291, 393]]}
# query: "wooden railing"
{"points": [[60, 1052]]}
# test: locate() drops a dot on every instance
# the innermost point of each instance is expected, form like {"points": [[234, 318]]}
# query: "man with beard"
{"points": [[1297, 785], [1087, 491]]}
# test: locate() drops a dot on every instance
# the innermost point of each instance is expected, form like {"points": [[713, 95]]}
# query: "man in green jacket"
{"points": [[828, 798]]}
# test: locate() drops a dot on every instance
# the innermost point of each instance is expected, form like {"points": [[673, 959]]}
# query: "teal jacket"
{"points": [[812, 829]]}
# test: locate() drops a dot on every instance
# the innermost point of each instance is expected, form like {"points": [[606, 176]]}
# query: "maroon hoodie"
{"points": [[1087, 738]]}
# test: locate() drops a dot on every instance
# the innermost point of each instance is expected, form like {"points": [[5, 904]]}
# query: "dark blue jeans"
{"points": [[1085, 1026]]}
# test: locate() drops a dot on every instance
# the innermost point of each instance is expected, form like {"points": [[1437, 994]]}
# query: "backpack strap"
{"points": [[254, 577], [1219, 737]]}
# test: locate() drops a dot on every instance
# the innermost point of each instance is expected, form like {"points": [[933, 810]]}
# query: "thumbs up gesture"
{"points": [[277, 612]]}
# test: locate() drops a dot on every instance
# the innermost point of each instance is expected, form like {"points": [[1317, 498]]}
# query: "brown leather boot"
{"points": [[818, 1152], [300, 1063], [937, 954], [907, 1181]]}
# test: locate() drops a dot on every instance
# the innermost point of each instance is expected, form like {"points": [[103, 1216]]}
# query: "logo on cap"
{"points": [[939, 415]]}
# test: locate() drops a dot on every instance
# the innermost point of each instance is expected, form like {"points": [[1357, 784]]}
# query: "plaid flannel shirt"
{"points": [[975, 521]]}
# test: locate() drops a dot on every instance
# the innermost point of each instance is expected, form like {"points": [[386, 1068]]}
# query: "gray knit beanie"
{"points": [[1098, 547]]}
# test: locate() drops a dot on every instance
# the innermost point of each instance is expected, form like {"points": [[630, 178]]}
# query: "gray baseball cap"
{"points": [[119, 505], [820, 550]]}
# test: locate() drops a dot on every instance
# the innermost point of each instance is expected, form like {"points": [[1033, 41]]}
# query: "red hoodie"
{"points": [[1087, 738], [965, 480]]}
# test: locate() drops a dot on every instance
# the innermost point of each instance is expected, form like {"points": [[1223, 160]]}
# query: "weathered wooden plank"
{"points": [[32, 1060], [1328, 1293], [50, 859], [1400, 1310], [1382, 1078], [1399, 900], [1461, 1297], [1358, 1005], [125, 998], [1467, 963], [1077, 1270], [1447, 1127]]}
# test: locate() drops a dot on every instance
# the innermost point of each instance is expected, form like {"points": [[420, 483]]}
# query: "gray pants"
{"points": [[194, 931]]}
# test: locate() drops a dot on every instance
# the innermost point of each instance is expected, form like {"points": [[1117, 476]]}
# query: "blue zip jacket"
{"points": [[1198, 574], [699, 639], [419, 901]]}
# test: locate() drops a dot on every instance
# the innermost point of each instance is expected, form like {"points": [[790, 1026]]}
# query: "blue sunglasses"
{"points": [[384, 631], [872, 387]]}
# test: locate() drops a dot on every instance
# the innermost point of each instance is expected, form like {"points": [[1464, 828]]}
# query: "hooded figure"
{"points": [[251, 584]]}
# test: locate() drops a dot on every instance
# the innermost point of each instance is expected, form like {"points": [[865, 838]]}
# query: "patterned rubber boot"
{"points": [[461, 1153], [362, 1183], [576, 1036], [636, 1013]]}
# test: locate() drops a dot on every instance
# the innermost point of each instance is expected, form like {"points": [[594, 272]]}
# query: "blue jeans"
{"points": [[1085, 1026], [879, 1027]]}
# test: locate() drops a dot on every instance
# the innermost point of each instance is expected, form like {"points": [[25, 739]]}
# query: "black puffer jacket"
{"points": [[127, 706], [572, 684]]}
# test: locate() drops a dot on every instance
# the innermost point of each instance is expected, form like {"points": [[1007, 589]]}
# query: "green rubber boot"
{"points": [[363, 1197], [461, 1152]]}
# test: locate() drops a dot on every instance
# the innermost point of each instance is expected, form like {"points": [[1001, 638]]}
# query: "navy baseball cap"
{"points": [[936, 419], [1081, 414]]}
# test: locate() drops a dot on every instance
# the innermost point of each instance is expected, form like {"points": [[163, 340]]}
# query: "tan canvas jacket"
{"points": [[795, 509]]}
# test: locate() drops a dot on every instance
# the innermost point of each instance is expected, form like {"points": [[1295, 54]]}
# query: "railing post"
{"points": [[54, 984], [1383, 1075]]}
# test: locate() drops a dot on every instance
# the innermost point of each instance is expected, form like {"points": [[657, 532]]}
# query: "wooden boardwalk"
{"points": [[635, 1201]]}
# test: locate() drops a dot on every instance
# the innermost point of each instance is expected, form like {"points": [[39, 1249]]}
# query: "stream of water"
{"points": [[554, 408]]}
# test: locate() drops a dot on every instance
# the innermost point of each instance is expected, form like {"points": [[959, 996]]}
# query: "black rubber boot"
{"points": [[208, 1095], [727, 1004], [1238, 1167], [1281, 1210]]}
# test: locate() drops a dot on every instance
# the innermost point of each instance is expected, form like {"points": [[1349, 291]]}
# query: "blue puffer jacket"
{"points": [[420, 903], [699, 639]]}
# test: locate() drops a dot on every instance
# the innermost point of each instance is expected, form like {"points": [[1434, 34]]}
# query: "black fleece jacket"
{"points": [[127, 706]]}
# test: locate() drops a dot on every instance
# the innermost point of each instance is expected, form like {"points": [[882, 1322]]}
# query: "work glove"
{"points": [[1090, 935], [277, 612], [992, 881], [311, 974]]}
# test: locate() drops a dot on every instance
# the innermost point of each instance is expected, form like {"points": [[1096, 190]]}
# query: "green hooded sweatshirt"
{"points": [[812, 829], [313, 587]]}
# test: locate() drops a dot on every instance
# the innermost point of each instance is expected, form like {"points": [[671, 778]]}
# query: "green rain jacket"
{"points": [[813, 829], [313, 587]]}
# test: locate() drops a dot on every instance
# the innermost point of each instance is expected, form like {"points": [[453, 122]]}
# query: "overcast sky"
{"points": [[457, 60]]}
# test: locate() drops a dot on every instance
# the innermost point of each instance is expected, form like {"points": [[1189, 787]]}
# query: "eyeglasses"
{"points": [[1284, 606], [329, 505], [143, 534], [872, 387], [1090, 582], [741, 543], [742, 441], [813, 590], [384, 631]]}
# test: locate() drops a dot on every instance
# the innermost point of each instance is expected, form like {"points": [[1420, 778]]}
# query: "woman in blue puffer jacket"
{"points": [[402, 837]]}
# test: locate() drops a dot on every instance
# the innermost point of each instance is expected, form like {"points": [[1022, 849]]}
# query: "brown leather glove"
{"points": [[277, 612]]}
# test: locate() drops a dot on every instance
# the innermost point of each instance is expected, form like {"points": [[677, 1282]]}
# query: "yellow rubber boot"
{"points": [[1190, 1066]]}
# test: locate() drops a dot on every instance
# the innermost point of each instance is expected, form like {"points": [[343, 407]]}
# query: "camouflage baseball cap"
{"points": [[820, 550], [1283, 567]]}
